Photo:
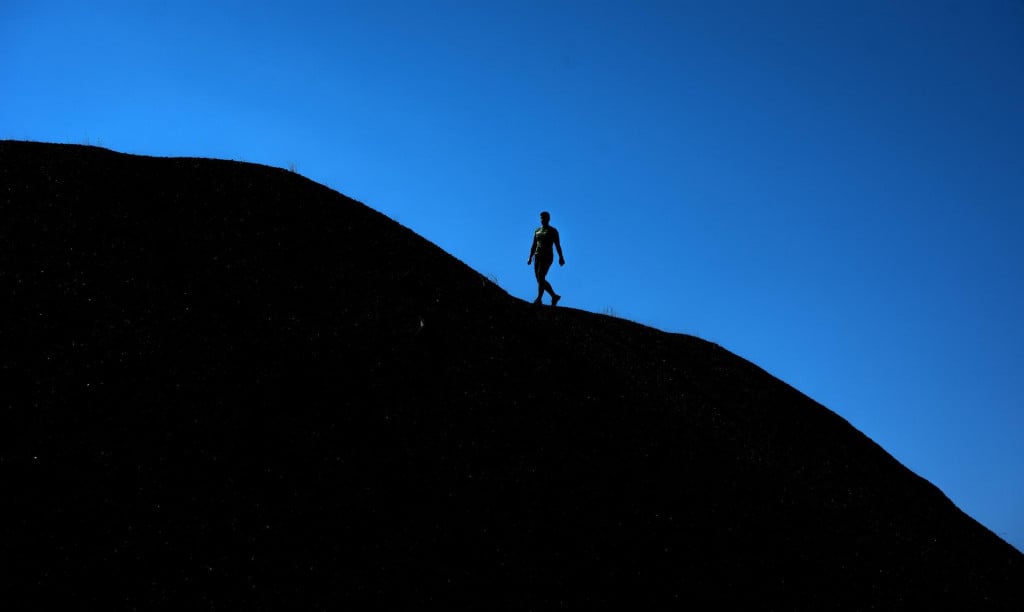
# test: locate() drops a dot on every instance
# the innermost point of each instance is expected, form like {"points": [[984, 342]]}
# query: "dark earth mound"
{"points": [[228, 387]]}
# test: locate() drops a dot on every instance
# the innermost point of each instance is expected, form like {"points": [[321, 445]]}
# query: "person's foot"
{"points": [[537, 301], [554, 300]]}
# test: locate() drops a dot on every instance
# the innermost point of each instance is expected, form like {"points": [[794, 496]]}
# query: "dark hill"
{"points": [[228, 387]]}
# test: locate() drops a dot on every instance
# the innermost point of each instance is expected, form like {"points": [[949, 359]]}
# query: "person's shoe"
{"points": [[537, 301], [554, 300]]}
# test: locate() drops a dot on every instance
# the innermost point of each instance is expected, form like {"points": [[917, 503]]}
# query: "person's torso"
{"points": [[544, 238]]}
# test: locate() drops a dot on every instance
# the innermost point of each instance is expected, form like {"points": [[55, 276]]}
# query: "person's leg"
{"points": [[540, 270], [547, 286], [539, 275]]}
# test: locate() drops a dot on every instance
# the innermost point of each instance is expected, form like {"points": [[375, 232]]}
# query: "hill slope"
{"points": [[233, 387]]}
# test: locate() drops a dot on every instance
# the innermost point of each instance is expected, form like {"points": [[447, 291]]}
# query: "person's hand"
{"points": [[561, 261], [529, 261]]}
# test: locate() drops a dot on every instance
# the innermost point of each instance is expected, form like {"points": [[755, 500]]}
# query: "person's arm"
{"points": [[558, 246], [533, 245]]}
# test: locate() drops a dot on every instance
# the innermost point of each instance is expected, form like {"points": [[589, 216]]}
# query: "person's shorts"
{"points": [[542, 263]]}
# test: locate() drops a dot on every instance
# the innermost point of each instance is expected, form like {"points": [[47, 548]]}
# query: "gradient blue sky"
{"points": [[833, 190]]}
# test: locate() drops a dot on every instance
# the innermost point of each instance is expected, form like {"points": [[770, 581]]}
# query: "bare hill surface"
{"points": [[228, 387]]}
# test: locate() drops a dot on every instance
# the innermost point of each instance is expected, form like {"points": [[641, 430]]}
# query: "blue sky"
{"points": [[832, 190]]}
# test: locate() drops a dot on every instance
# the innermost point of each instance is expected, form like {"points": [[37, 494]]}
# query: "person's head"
{"points": [[545, 217]]}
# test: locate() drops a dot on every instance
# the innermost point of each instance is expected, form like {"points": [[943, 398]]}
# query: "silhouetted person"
{"points": [[544, 237]]}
